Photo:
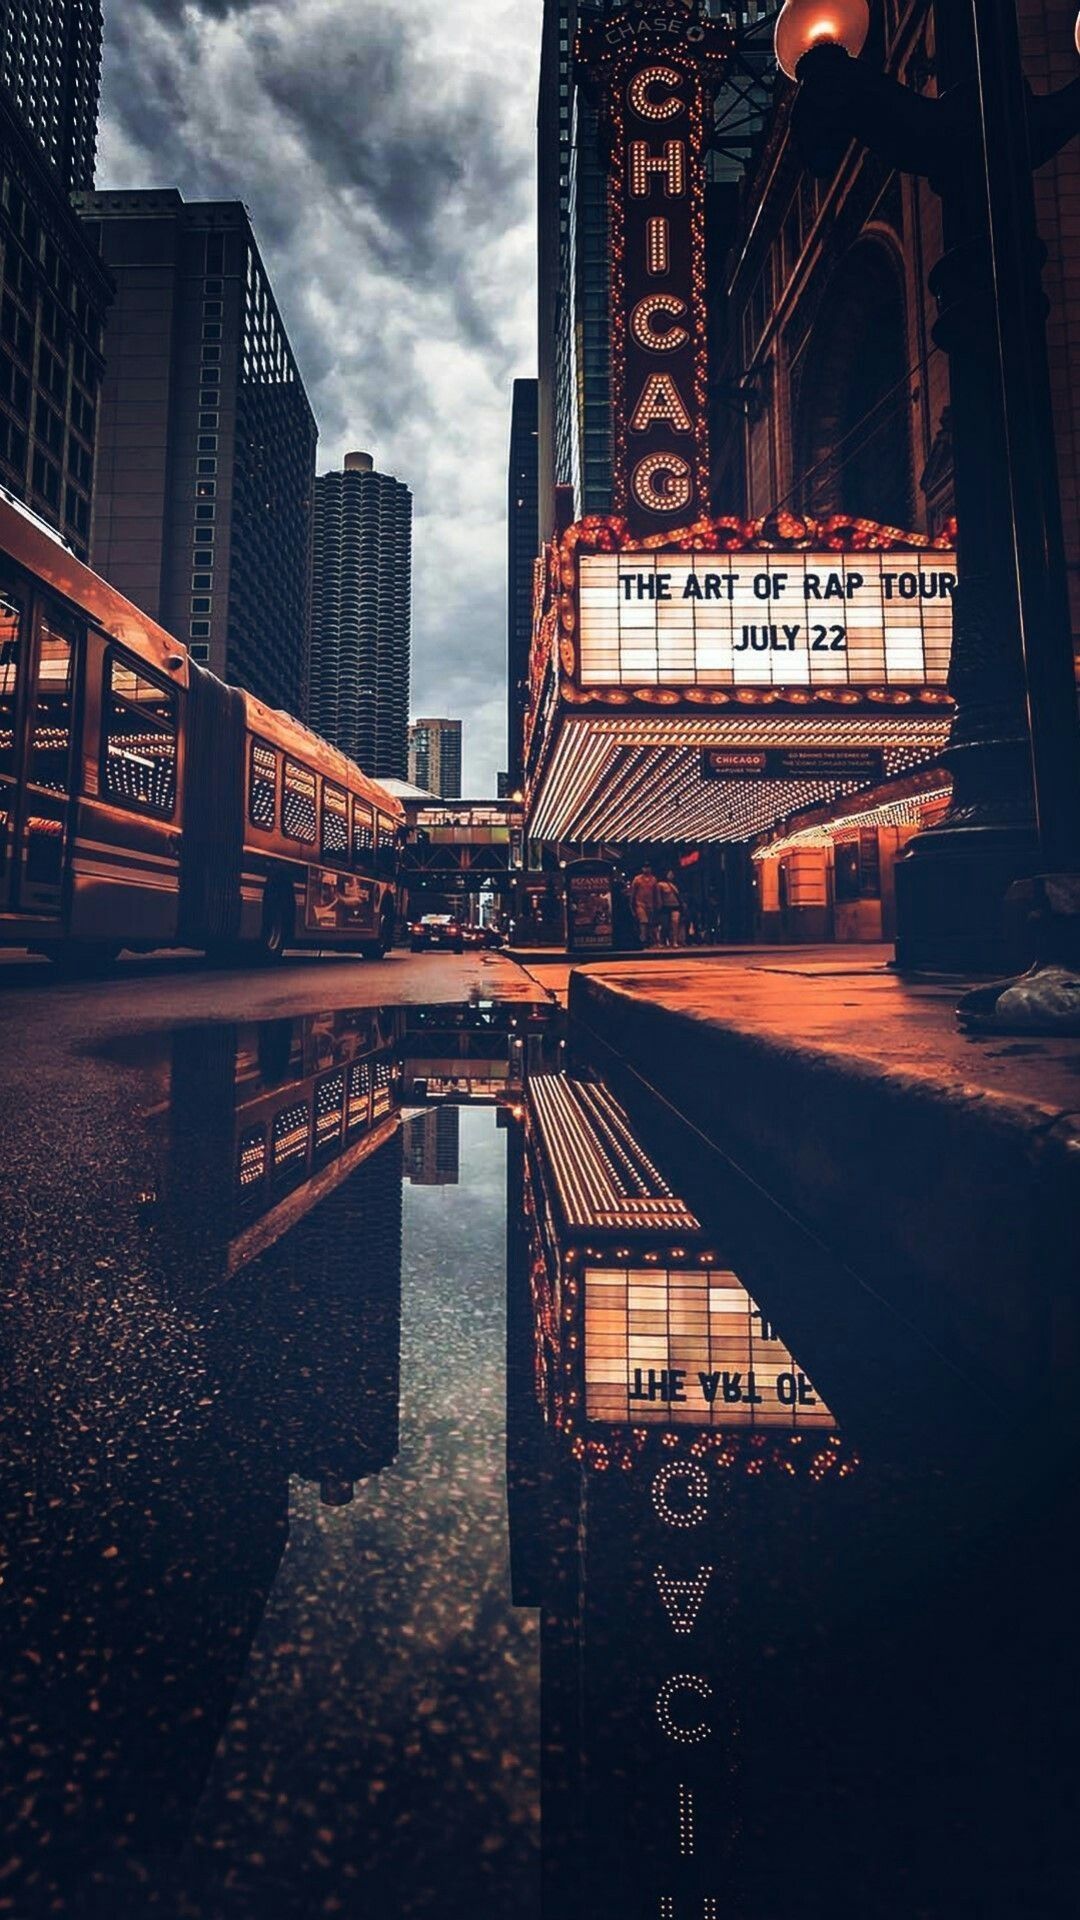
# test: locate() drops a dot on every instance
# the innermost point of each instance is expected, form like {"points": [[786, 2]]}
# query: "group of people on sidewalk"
{"points": [[657, 907]]}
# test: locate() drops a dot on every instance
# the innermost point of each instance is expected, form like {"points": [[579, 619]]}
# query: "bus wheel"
{"points": [[277, 924]]}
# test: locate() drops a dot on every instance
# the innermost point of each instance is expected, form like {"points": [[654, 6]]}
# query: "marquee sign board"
{"points": [[793, 619], [688, 1347]]}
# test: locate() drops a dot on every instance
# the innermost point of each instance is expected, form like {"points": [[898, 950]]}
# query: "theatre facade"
{"points": [[703, 679]]}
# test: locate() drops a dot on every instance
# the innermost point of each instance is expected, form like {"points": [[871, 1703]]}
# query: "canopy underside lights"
{"points": [[639, 778]]}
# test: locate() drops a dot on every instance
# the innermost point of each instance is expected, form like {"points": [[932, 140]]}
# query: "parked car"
{"points": [[436, 930], [477, 937]]}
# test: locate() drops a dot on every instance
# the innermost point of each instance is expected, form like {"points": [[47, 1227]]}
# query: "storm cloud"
{"points": [[386, 154]]}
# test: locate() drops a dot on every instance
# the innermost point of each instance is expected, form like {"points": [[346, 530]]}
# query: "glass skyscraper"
{"points": [[206, 457]]}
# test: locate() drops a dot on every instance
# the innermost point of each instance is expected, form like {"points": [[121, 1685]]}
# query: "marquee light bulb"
{"points": [[1078, 33], [810, 23]]}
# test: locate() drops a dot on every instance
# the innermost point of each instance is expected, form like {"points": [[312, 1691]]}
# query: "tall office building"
{"points": [[435, 757], [206, 456], [53, 304], [54, 294], [361, 614], [50, 64], [523, 544]]}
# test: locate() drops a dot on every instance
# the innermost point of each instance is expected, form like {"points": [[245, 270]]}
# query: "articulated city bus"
{"points": [[145, 804]]}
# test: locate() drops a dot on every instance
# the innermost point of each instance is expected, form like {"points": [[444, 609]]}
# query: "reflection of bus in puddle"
{"points": [[642, 1328], [266, 1120], [253, 1354]]}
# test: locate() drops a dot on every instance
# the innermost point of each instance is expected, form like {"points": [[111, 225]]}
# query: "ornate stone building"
{"points": [[830, 394]]}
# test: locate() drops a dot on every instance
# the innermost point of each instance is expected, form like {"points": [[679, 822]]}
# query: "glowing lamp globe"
{"points": [[813, 23], [1078, 33]]}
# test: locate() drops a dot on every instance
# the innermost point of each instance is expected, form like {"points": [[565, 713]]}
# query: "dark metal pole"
{"points": [[1037, 537], [1013, 825]]}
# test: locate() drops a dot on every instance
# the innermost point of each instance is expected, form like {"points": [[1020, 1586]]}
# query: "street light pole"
{"points": [[1014, 749], [1027, 404]]}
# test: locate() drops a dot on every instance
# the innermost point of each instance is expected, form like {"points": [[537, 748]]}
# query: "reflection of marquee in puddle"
{"points": [[641, 1325]]}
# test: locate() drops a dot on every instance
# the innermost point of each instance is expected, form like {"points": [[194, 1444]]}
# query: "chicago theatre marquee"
{"points": [[700, 678]]}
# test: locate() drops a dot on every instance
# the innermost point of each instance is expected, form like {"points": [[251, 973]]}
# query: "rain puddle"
{"points": [[432, 1485]]}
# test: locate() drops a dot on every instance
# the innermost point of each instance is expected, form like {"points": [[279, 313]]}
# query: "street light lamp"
{"points": [[810, 23], [1014, 750]]}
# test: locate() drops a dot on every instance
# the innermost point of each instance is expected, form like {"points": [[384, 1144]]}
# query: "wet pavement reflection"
{"points": [[434, 1484]]}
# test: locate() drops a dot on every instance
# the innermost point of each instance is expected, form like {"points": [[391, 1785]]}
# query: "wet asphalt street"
{"points": [[316, 1596]]}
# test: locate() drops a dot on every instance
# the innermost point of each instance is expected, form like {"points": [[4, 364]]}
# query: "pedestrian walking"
{"points": [[643, 901], [669, 900]]}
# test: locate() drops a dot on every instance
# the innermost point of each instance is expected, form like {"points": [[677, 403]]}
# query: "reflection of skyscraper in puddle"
{"points": [[659, 1430], [431, 1147], [259, 1340], [290, 1134]]}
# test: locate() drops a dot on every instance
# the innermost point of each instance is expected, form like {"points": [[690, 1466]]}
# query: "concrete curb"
{"points": [[555, 955], [960, 1207]]}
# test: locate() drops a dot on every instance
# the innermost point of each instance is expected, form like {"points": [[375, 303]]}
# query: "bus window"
{"points": [[335, 824], [386, 861], [262, 800], [138, 739], [329, 1112], [50, 743], [290, 1132], [9, 681], [298, 809], [363, 835], [251, 1164], [383, 1090], [356, 1113]]}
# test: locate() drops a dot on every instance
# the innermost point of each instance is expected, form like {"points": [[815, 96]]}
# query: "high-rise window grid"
{"points": [[50, 62], [52, 303], [234, 437], [361, 610]]}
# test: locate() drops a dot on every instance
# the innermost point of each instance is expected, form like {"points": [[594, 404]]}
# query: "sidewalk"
{"points": [[944, 1170], [560, 956]]}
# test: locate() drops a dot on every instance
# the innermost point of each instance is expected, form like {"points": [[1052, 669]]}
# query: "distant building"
{"points": [[523, 545], [50, 66], [361, 615], [435, 757], [55, 294], [206, 460]]}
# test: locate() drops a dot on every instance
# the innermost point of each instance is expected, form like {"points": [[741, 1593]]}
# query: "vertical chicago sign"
{"points": [[653, 70]]}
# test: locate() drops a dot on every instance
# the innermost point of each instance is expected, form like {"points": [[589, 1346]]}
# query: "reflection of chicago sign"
{"points": [[656, 99]]}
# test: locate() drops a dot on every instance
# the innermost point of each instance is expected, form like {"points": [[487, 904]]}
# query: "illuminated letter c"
{"points": [[648, 336], [637, 93], [683, 1683]]}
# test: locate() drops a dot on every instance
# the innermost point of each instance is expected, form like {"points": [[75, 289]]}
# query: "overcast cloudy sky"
{"points": [[386, 153]]}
